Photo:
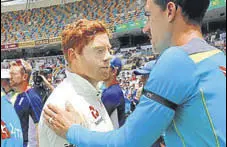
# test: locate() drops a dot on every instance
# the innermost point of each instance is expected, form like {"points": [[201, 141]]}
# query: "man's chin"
{"points": [[105, 78], [14, 87]]}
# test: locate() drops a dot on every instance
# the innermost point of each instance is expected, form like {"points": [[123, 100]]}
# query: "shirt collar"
{"points": [[81, 85]]}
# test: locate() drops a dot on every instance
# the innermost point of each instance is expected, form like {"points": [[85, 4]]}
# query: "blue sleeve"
{"points": [[111, 100], [36, 105], [139, 130], [171, 78]]}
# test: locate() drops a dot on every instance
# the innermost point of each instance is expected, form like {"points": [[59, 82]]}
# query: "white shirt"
{"points": [[114, 119], [85, 100], [32, 133]]}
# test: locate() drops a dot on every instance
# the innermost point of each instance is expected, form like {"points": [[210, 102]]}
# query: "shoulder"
{"points": [[173, 61], [174, 56], [174, 71], [113, 91]]}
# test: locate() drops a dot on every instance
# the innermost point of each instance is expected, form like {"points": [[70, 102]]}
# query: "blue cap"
{"points": [[116, 62], [146, 69]]}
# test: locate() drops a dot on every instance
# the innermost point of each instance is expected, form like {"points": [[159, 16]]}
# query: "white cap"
{"points": [[5, 74]]}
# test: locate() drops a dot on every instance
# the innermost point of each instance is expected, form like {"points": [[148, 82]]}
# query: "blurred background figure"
{"points": [[112, 96], [28, 103], [11, 131], [5, 85]]}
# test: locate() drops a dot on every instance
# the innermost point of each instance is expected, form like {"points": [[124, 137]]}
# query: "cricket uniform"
{"points": [[84, 98]]}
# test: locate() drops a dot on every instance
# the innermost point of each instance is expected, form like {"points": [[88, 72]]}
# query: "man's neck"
{"points": [[184, 35], [93, 82], [110, 82], [23, 87]]}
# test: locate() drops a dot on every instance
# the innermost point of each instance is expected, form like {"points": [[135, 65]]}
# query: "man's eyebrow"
{"points": [[102, 46], [99, 47]]}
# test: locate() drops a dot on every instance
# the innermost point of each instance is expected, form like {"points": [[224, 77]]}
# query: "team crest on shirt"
{"points": [[223, 69], [95, 114], [4, 131]]}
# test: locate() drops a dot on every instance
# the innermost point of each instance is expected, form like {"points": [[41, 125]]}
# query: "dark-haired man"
{"points": [[112, 96], [185, 95]]}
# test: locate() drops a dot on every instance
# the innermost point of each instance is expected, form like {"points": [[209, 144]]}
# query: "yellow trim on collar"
{"points": [[204, 55]]}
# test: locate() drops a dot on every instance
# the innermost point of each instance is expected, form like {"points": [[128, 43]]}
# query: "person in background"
{"points": [[112, 96], [5, 85], [28, 104], [11, 131], [144, 72]]}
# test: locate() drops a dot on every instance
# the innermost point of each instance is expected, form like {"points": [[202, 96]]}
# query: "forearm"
{"points": [[142, 128]]}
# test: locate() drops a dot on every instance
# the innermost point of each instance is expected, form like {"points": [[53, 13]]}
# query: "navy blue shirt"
{"points": [[113, 98], [28, 103]]}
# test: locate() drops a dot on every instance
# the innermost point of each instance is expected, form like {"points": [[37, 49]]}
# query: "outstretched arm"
{"points": [[142, 128]]}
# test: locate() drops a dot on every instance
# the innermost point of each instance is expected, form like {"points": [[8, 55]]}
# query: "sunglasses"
{"points": [[20, 63]]}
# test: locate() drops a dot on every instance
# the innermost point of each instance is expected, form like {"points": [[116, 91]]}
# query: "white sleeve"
{"points": [[114, 119]]}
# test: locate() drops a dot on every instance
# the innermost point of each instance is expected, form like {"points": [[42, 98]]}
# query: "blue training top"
{"points": [[28, 103], [11, 132], [113, 98], [191, 76]]}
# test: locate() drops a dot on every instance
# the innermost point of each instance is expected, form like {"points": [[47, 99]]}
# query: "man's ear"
{"points": [[115, 71], [25, 77], [71, 54], [171, 11]]}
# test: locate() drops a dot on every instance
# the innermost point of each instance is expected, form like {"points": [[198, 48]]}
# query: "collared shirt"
{"points": [[84, 97]]}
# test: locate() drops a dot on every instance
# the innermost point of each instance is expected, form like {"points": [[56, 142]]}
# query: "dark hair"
{"points": [[192, 14]]}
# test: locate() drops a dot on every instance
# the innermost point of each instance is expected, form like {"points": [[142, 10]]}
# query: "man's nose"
{"points": [[108, 57], [147, 29]]}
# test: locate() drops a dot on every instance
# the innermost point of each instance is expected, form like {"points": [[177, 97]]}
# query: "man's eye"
{"points": [[100, 51]]}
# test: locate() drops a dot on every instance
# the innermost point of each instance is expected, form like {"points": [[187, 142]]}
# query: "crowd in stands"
{"points": [[48, 22], [217, 38]]}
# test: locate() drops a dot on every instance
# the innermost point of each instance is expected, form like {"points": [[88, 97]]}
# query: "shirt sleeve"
{"points": [[140, 129], [35, 107]]}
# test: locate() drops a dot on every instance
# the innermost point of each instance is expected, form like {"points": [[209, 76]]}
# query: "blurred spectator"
{"points": [[5, 85], [112, 96], [11, 132], [144, 73], [28, 103]]}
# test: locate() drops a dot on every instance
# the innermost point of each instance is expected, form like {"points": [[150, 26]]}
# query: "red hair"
{"points": [[78, 34]]}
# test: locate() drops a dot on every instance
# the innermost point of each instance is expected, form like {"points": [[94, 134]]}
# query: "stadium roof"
{"points": [[15, 5], [13, 2]]}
